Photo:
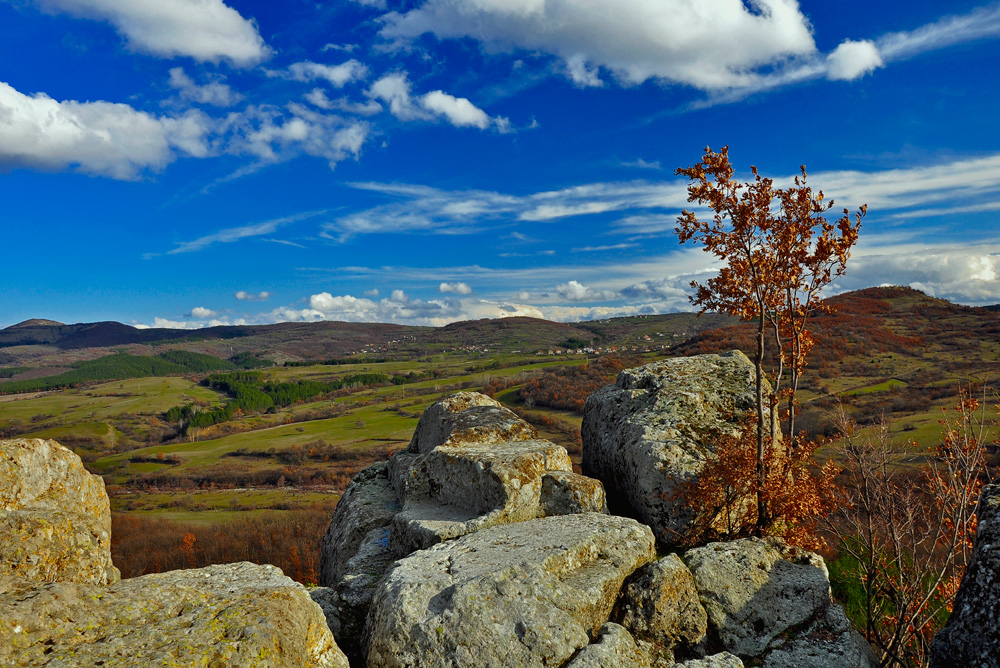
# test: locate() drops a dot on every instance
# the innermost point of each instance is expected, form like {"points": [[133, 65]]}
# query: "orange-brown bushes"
{"points": [[289, 540]]}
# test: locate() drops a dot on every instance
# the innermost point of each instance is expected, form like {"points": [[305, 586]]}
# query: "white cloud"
{"points": [[214, 93], [426, 209], [458, 288], [337, 75], [851, 60], [458, 110], [243, 295], [317, 96], [574, 291], [271, 135], [166, 323], [963, 273], [206, 30], [399, 297], [232, 234], [980, 23], [202, 313], [100, 138], [639, 163], [635, 40], [394, 90], [371, 293]]}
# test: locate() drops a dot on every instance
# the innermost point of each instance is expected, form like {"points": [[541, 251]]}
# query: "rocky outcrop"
{"points": [[526, 594], [769, 601], [55, 518], [972, 636], [471, 465], [659, 603], [233, 615], [657, 426], [62, 602]]}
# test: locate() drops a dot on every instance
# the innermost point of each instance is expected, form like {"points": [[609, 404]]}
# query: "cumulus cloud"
{"points": [[458, 288], [214, 93], [202, 313], [394, 90], [633, 40], [101, 138], [318, 97], [574, 291], [851, 60], [272, 134], [966, 274], [243, 295], [337, 76], [206, 30]]}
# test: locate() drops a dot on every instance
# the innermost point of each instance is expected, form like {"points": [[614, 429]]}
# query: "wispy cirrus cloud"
{"points": [[232, 234]]}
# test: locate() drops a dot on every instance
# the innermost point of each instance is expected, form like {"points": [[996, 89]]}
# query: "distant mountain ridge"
{"points": [[35, 322]]}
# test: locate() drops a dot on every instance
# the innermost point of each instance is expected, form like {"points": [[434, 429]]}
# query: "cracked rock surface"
{"points": [[55, 518], [525, 594], [230, 615]]}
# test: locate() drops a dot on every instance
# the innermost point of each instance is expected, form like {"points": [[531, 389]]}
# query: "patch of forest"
{"points": [[123, 366]]}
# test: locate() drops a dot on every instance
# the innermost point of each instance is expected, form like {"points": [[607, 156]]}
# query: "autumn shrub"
{"points": [[289, 540], [723, 496]]}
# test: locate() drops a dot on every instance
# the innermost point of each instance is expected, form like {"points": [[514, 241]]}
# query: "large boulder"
{"points": [[232, 615], [659, 603], [767, 600], [472, 464], [972, 635], [527, 594], [655, 429], [55, 518]]}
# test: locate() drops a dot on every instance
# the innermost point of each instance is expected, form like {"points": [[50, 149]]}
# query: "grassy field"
{"points": [[107, 400]]}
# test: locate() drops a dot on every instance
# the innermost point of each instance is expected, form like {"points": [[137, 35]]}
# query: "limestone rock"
{"points": [[457, 489], [54, 516], [467, 417], [526, 594], [723, 660], [567, 493], [368, 504], [829, 642], [660, 603], [615, 648], [763, 595], [235, 615], [972, 636], [657, 426]]}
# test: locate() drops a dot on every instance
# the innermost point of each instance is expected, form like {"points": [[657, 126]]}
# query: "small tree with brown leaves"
{"points": [[906, 539], [779, 252]]}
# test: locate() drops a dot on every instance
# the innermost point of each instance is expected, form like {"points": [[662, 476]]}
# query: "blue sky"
{"points": [[193, 162]]}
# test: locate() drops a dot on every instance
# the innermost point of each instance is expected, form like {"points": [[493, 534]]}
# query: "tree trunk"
{"points": [[758, 368]]}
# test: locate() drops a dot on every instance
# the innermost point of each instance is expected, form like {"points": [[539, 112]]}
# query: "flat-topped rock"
{"points": [[525, 594], [478, 484], [467, 418], [232, 615], [55, 517]]}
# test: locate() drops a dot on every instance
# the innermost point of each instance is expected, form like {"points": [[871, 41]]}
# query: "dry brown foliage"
{"points": [[909, 535], [779, 253], [289, 540], [796, 493]]}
